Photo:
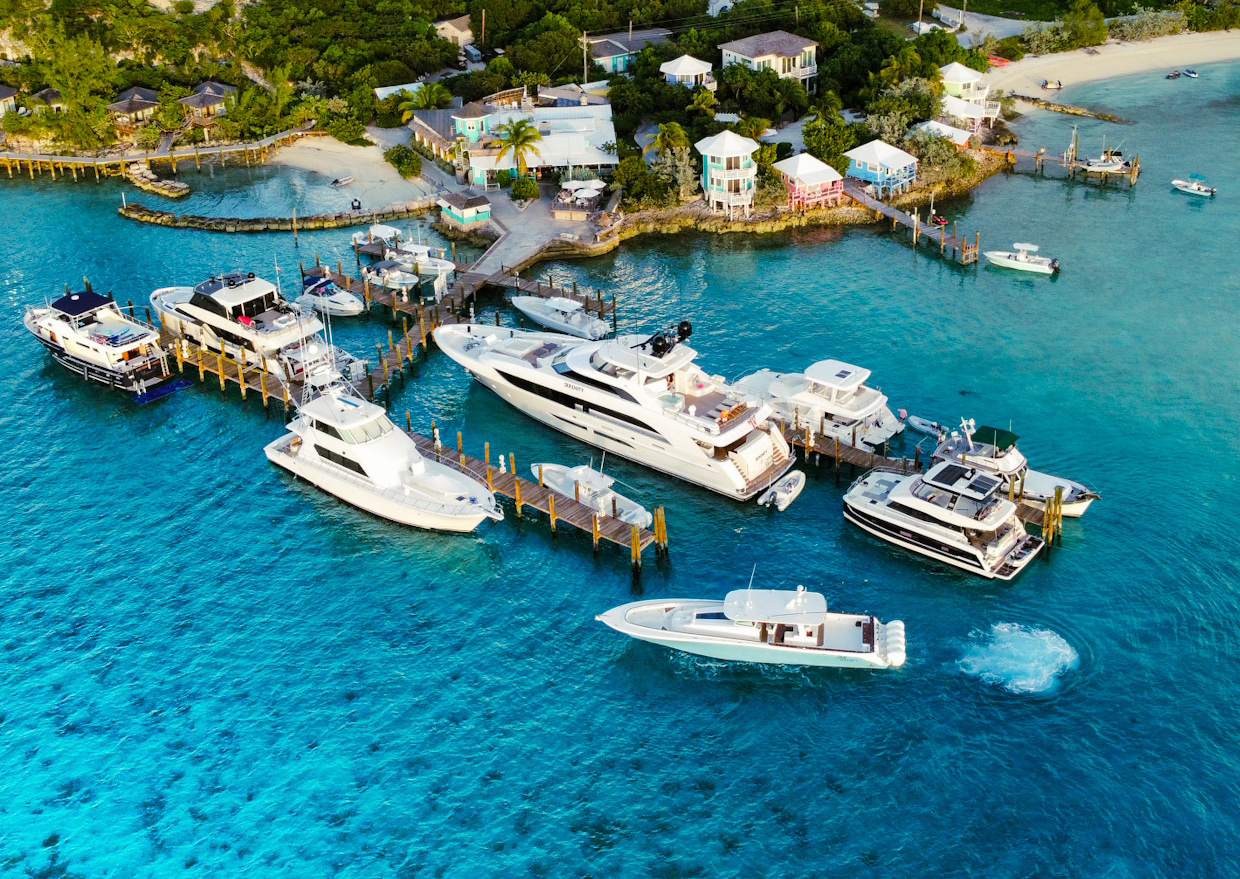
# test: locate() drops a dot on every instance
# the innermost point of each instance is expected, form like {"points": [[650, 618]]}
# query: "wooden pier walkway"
{"points": [[558, 508], [957, 246], [1073, 166]]}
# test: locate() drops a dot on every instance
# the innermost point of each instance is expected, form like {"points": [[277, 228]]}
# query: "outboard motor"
{"points": [[684, 329]]}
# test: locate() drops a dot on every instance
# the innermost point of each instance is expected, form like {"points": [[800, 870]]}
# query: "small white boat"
{"points": [[784, 491], [777, 626], [380, 232], [1194, 187], [1052, 84], [322, 295], [594, 489], [561, 315], [391, 275], [343, 181], [923, 425], [1024, 258], [1191, 74], [419, 259]]}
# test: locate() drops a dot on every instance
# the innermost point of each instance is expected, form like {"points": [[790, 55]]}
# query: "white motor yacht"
{"points": [[640, 397], [561, 315], [240, 315], [594, 489], [831, 398], [392, 275], [348, 447], [90, 335], [764, 625], [1024, 258], [993, 450], [322, 295], [951, 513]]}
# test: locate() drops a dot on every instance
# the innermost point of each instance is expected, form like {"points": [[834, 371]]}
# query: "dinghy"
{"points": [[784, 491]]}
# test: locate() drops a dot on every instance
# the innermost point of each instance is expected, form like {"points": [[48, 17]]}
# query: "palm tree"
{"points": [[431, 96], [752, 127], [518, 137], [704, 101], [670, 137]]}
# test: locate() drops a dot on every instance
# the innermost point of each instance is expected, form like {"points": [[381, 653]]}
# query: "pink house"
{"points": [[811, 183]]}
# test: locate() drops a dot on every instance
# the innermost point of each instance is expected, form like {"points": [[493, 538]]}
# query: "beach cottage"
{"points": [[969, 113], [134, 105], [463, 209], [964, 85], [47, 99], [689, 72], [811, 182], [615, 52], [889, 168], [958, 136], [210, 99], [8, 99], [790, 56], [729, 173]]}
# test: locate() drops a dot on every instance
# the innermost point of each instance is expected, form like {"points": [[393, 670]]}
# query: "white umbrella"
{"points": [[596, 184], [572, 185]]}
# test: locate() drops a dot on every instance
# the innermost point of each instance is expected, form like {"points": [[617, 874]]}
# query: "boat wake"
{"points": [[1020, 659]]}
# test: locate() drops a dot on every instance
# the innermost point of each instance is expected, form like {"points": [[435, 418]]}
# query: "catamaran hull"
{"points": [[647, 449], [961, 557], [388, 508]]}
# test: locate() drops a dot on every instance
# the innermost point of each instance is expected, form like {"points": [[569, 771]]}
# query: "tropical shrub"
{"points": [[524, 189], [404, 159]]}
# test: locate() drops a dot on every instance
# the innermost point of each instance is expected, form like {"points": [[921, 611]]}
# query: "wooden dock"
{"points": [[952, 246], [1069, 161], [557, 507]]}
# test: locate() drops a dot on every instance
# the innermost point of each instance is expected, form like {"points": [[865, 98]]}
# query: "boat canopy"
{"points": [[560, 303], [74, 304], [799, 608], [1001, 439], [836, 374], [1028, 248]]}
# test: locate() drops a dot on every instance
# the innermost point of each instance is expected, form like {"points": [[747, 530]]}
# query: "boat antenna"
{"points": [[276, 262], [752, 574]]}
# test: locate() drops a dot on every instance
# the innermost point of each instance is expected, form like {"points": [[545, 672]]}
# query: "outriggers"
{"points": [[637, 396], [90, 335]]}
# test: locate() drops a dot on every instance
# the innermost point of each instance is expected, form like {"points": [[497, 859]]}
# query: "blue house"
{"points": [[472, 122], [729, 173], [464, 210], [889, 168]]}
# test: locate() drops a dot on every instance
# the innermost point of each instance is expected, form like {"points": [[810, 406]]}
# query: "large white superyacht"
{"points": [[641, 397], [951, 513]]}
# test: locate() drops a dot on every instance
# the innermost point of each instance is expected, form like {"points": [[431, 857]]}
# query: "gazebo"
{"points": [[889, 168], [811, 183], [688, 71]]}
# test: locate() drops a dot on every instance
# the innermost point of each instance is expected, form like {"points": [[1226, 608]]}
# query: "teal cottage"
{"points": [[729, 173]]}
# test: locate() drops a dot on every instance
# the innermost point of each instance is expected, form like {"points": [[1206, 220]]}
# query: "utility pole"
{"points": [[585, 64], [963, 12], [482, 40], [920, 7]]}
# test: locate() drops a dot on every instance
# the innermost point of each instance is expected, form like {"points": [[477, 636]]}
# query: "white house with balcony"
{"points": [[890, 169], [729, 172], [965, 85], [790, 56], [689, 72], [969, 113]]}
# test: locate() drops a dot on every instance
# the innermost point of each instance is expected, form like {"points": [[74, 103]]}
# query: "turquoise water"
{"points": [[213, 670]]}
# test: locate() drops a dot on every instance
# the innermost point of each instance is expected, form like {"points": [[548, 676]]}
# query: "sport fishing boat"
{"points": [[1194, 186], [763, 625], [831, 398], [90, 335], [322, 295], [952, 513], [348, 447], [993, 451], [640, 397], [1023, 258], [240, 315], [561, 315], [594, 489]]}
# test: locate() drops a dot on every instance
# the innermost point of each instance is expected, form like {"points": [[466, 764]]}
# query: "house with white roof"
{"points": [[790, 56], [689, 72], [463, 209], [957, 136], [729, 172], [889, 168], [968, 112], [573, 136], [965, 84], [811, 182]]}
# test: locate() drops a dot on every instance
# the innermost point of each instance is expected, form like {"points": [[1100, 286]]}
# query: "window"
{"points": [[336, 458]]}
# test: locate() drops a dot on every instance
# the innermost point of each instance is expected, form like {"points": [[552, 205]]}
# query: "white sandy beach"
{"points": [[375, 181], [1116, 59]]}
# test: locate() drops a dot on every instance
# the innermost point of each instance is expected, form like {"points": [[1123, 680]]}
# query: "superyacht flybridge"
{"points": [[638, 396]]}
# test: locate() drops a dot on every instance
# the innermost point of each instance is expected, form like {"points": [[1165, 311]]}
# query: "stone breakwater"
{"points": [[146, 180], [341, 220]]}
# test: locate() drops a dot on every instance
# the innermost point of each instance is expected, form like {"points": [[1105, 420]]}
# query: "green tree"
{"points": [[828, 139], [704, 101], [519, 138], [524, 189], [431, 96], [671, 136], [1084, 25]]}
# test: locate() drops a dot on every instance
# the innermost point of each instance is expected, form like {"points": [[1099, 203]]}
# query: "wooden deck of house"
{"points": [[952, 245]]}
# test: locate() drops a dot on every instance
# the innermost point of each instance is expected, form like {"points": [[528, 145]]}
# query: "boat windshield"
{"points": [[367, 431]]}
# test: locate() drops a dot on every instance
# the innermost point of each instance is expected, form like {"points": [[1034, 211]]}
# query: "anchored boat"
{"points": [[561, 315], [1023, 258]]}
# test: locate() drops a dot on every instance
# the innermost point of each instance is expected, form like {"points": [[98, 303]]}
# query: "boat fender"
{"points": [[250, 276]]}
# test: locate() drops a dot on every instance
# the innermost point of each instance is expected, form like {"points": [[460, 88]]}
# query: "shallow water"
{"points": [[214, 670]]}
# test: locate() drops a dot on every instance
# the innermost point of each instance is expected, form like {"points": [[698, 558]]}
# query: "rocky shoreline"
{"points": [[341, 220]]}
